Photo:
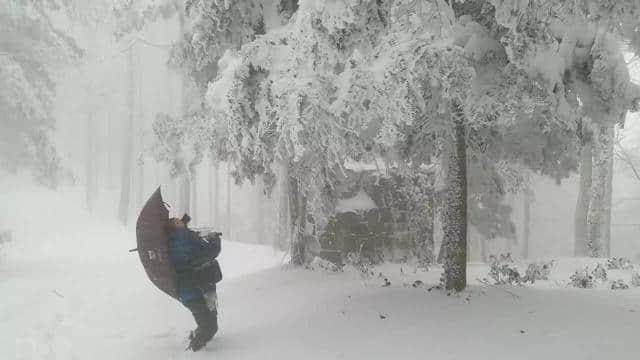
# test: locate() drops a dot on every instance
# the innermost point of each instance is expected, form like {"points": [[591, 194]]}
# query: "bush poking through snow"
{"points": [[320, 263], [503, 272], [619, 263], [618, 285], [538, 271], [586, 280], [600, 273], [635, 280], [582, 279]]}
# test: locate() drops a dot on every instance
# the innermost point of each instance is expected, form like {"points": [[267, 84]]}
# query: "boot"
{"points": [[207, 327]]}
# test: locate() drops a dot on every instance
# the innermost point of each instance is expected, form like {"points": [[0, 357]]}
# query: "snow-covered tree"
{"points": [[356, 79], [31, 49], [578, 45]]}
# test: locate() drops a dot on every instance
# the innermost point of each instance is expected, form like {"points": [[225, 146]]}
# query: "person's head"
{"points": [[173, 224]]}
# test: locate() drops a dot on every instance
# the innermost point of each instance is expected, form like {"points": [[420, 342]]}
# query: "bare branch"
{"points": [[621, 154]]}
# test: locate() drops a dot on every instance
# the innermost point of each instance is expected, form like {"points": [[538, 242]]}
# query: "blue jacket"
{"points": [[186, 250]]}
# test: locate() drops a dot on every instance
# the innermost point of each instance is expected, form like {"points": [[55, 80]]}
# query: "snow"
{"points": [[360, 202], [70, 290]]}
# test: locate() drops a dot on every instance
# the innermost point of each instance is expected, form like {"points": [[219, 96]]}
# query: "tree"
{"points": [[359, 97], [127, 159], [584, 39], [31, 48]]}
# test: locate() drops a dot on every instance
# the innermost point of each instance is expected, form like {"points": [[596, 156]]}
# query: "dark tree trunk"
{"points": [[421, 227], [229, 199], [455, 233], [298, 211]]}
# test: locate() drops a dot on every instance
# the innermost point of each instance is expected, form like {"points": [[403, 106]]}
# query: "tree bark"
{"points": [[125, 183], [421, 225], [455, 236], [210, 188], [259, 206], [527, 199], [298, 210], [284, 225], [607, 229], [598, 205], [216, 194], [581, 247], [229, 199]]}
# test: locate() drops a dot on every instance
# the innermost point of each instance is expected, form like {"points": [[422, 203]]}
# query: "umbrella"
{"points": [[153, 244]]}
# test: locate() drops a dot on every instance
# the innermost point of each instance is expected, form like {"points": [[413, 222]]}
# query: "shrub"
{"points": [[538, 271], [582, 279], [618, 285], [600, 273], [619, 263], [503, 272]]}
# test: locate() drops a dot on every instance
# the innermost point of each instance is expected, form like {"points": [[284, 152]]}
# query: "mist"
{"points": [[359, 177]]}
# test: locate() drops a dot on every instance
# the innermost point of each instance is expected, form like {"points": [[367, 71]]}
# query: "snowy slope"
{"points": [[82, 296]]}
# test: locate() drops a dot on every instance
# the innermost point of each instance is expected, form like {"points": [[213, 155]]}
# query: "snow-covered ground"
{"points": [[70, 290]]}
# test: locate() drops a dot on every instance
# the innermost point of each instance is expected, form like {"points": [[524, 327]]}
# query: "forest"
{"points": [[488, 150]]}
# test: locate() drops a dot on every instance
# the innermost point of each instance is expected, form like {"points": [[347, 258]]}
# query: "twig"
{"points": [[58, 294]]}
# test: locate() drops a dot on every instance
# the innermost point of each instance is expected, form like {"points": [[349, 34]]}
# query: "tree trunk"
{"points": [[210, 187], [259, 206], [421, 228], [184, 193], [527, 200], [429, 229], [298, 210], [90, 164], [140, 138], [598, 205], [110, 136], [185, 182], [216, 195], [193, 191], [229, 199], [455, 236], [125, 184], [441, 251], [581, 247], [483, 251], [607, 229], [284, 217]]}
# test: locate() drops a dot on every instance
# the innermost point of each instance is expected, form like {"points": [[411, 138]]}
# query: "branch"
{"points": [[623, 156]]}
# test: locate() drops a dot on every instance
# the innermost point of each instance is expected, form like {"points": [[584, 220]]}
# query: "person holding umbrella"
{"points": [[197, 272]]}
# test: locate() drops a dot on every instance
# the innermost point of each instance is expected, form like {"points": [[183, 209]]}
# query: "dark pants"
{"points": [[206, 317]]}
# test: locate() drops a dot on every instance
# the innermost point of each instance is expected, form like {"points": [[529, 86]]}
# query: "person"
{"points": [[197, 273]]}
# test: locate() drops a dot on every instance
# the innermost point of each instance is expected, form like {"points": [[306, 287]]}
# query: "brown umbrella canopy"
{"points": [[153, 244]]}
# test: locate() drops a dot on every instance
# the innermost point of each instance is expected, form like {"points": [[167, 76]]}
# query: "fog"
{"points": [[355, 156]]}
